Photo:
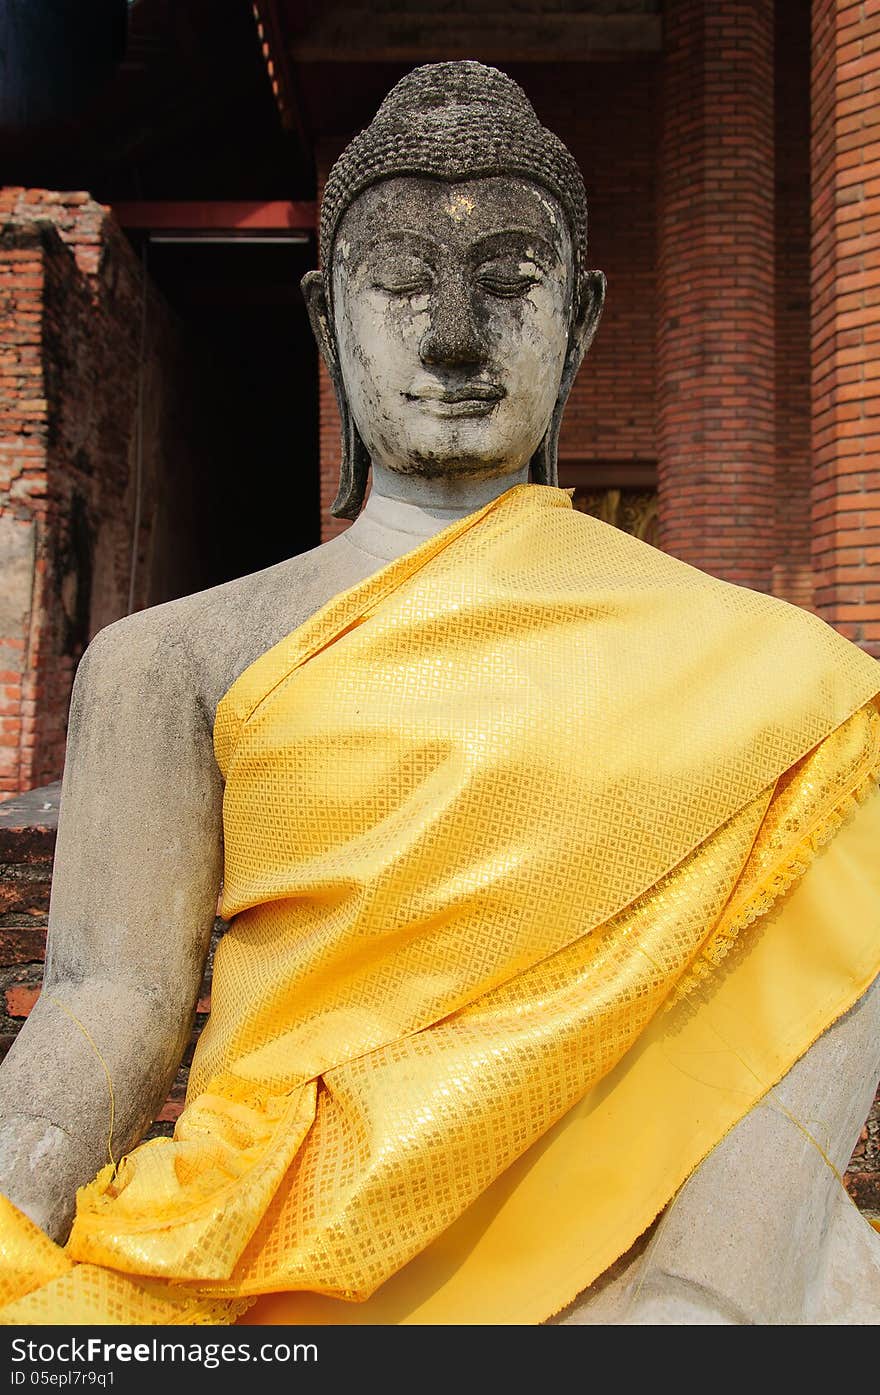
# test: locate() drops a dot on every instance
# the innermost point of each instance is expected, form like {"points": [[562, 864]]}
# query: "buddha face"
{"points": [[452, 306]]}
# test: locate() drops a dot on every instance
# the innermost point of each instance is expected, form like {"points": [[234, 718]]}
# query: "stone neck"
{"points": [[401, 512]]}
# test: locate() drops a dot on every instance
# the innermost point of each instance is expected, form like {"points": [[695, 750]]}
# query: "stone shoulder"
{"points": [[196, 645]]}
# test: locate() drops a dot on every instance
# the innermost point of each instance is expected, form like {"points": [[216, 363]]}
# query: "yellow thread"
{"points": [[670, 1207], [807, 1135], [75, 1020], [770, 1095]]}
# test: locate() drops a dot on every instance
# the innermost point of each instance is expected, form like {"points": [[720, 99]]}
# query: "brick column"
{"points": [[329, 439], [793, 570], [716, 289], [846, 316]]}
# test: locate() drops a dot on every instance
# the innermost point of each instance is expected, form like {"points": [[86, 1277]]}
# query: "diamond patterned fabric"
{"points": [[487, 815]]}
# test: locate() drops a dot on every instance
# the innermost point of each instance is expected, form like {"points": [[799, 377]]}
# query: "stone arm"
{"points": [[134, 894], [763, 1232]]}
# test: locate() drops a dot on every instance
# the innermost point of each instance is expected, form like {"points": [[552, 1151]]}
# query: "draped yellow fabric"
{"points": [[493, 820]]}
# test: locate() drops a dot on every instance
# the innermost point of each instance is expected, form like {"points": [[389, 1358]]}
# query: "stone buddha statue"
{"points": [[453, 309]]}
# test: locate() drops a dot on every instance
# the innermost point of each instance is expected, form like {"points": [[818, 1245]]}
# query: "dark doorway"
{"points": [[240, 302]]}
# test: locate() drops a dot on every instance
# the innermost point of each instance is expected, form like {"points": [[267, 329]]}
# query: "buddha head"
{"points": [[453, 307]]}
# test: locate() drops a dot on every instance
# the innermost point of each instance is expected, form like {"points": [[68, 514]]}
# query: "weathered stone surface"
{"points": [[17, 552], [28, 828], [34, 811]]}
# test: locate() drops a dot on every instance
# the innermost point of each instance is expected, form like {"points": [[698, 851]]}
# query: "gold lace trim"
{"points": [[782, 878], [218, 1312]]}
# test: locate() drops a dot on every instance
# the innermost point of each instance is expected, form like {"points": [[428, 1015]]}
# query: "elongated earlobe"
{"points": [[355, 464], [544, 466], [354, 468]]}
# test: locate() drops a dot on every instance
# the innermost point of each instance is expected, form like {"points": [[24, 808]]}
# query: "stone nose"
{"points": [[454, 337]]}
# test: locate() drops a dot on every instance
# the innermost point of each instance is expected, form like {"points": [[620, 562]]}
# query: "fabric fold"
{"points": [[489, 817]]}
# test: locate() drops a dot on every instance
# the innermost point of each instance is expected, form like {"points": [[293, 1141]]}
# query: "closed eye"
{"points": [[403, 276], [506, 286], [403, 288], [508, 276]]}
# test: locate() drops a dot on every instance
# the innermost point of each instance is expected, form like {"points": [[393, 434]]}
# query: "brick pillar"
{"points": [[793, 571], [846, 316], [330, 448], [73, 427], [716, 289]]}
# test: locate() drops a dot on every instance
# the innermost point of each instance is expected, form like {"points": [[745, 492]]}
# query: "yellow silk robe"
{"points": [[493, 820]]}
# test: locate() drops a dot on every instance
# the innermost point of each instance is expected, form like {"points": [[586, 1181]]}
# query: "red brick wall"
{"points": [[607, 115], [716, 356], [22, 457], [75, 378], [846, 316], [792, 572]]}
